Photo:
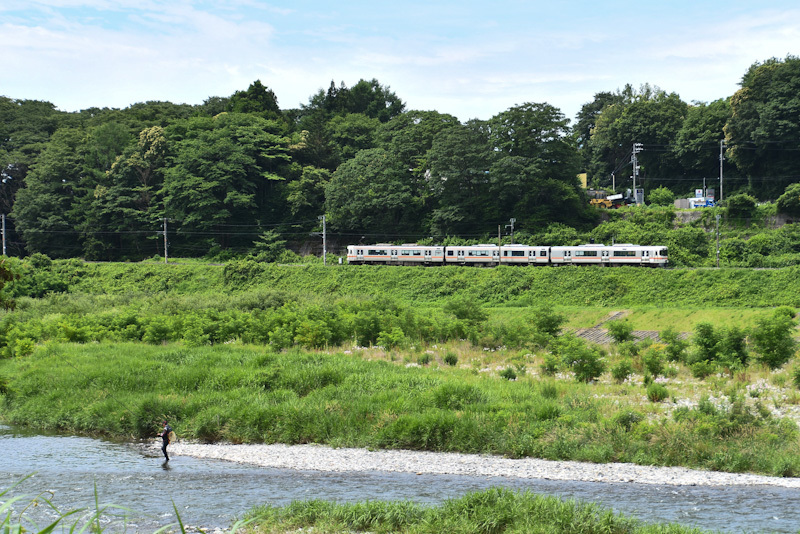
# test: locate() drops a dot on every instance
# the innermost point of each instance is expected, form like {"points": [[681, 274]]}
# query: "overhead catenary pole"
{"points": [[166, 254], [721, 159], [637, 147], [4, 234], [324, 243]]}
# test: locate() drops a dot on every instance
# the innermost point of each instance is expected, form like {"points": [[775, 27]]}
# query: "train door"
{"points": [[394, 254], [567, 256], [460, 255], [496, 256], [427, 254], [604, 258], [645, 256]]}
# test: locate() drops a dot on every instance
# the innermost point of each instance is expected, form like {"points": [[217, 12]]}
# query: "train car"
{"points": [[524, 255], [478, 255], [648, 256], [579, 255], [388, 254], [491, 255], [617, 254]]}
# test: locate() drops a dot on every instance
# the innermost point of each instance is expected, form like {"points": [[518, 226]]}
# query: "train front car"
{"points": [[368, 254], [647, 256]]}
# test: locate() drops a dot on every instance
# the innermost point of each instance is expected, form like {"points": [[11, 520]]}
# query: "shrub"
{"points": [[675, 347], [587, 364], [620, 330], [657, 392], [508, 373], [551, 364], [653, 359], [627, 418], [547, 321], [622, 370], [393, 339], [661, 196], [706, 342], [467, 309], [450, 358], [703, 368], [424, 359], [796, 377], [772, 339], [789, 202]]}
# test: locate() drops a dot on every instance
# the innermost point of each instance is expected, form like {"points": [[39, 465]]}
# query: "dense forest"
{"points": [[236, 175]]}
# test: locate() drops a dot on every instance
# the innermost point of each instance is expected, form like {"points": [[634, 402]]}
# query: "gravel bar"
{"points": [[324, 458]]}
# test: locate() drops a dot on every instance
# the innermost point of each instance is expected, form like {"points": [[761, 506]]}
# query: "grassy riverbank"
{"points": [[485, 512], [379, 399]]}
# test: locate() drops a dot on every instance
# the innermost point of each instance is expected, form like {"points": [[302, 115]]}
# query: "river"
{"points": [[212, 493]]}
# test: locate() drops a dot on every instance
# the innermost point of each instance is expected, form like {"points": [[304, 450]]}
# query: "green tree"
{"points": [[649, 116], [534, 173], [697, 141], [789, 202], [772, 339], [351, 133], [257, 99], [223, 176], [763, 132], [370, 193], [459, 160], [661, 196], [42, 208]]}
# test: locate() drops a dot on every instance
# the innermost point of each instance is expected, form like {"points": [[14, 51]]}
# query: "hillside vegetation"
{"points": [[444, 359]]}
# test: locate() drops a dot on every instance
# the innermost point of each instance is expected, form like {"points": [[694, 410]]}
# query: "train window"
{"points": [[505, 253], [405, 252], [449, 252], [543, 253], [376, 252], [585, 253], [624, 253], [662, 252], [416, 253], [517, 252]]}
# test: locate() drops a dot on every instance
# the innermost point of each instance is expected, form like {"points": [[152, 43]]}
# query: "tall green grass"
{"points": [[575, 286], [485, 512], [247, 394]]}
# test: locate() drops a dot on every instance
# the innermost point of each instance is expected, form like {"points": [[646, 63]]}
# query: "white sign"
{"points": [[698, 193]]}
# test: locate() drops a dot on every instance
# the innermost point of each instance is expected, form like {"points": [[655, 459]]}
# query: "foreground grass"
{"points": [[246, 394], [490, 511]]}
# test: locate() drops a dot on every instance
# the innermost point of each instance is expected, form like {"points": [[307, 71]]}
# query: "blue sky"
{"points": [[472, 59]]}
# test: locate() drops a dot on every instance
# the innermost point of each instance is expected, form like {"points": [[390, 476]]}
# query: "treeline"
{"points": [[239, 174]]}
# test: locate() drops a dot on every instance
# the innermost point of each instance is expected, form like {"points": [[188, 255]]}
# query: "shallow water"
{"points": [[211, 493]]}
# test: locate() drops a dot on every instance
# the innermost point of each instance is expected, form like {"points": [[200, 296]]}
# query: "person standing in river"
{"points": [[165, 439]]}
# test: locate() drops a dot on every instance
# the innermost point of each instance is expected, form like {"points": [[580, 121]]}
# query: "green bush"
{"points": [[620, 330], [653, 359], [657, 392], [772, 339], [551, 364], [450, 358], [508, 373], [703, 368], [587, 364], [622, 370]]}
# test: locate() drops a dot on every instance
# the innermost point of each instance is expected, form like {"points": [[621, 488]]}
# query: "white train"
{"points": [[492, 255]]}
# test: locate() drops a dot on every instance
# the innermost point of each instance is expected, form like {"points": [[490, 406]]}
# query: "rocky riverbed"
{"points": [[323, 458]]}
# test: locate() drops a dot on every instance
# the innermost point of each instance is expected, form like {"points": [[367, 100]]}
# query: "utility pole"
{"points": [[721, 159], [613, 183], [4, 234], [324, 242], [512, 229], [165, 240], [717, 240], [637, 147]]}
